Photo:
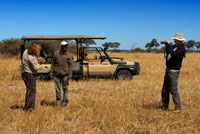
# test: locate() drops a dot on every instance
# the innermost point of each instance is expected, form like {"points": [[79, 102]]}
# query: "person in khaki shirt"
{"points": [[61, 71]]}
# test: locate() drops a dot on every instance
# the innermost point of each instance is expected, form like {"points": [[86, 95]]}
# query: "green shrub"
{"points": [[138, 50], [116, 50], [10, 46]]}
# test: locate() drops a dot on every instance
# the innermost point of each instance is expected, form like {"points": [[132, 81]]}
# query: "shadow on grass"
{"points": [[48, 103], [155, 105], [17, 107]]}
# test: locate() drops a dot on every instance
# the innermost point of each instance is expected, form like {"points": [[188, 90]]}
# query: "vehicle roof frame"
{"points": [[78, 38]]}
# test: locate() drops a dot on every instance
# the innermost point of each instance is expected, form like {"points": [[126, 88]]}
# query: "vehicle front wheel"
{"points": [[124, 75]]}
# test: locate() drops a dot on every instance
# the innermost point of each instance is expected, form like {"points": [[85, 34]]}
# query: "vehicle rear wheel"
{"points": [[124, 75]]}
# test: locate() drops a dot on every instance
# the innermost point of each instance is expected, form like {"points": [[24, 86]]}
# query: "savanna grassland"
{"points": [[103, 106]]}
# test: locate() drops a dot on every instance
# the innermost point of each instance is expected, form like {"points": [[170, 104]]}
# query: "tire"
{"points": [[124, 75]]}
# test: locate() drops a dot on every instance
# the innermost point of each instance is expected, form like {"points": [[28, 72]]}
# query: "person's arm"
{"points": [[70, 65], [34, 62], [41, 60], [52, 65], [167, 49]]}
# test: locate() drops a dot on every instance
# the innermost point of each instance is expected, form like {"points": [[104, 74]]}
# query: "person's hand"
{"points": [[167, 42], [41, 60], [51, 75], [68, 79]]}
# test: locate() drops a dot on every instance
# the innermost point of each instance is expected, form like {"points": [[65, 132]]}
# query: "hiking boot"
{"points": [[177, 110], [163, 107], [57, 103], [28, 109], [64, 103]]}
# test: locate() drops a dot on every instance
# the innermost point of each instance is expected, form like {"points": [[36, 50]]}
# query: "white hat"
{"points": [[178, 36], [63, 43]]}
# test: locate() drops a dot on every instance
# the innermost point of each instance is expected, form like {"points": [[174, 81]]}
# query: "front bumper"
{"points": [[136, 70]]}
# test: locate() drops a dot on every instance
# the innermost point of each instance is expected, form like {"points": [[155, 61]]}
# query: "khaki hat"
{"points": [[63, 43], [178, 36]]}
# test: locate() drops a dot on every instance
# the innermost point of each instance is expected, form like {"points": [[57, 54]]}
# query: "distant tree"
{"points": [[10, 46], [148, 46], [197, 45], [88, 42], [190, 44], [72, 47], [154, 43], [108, 45]]}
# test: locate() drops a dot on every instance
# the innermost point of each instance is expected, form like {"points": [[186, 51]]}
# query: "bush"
{"points": [[50, 46], [10, 46], [138, 50], [116, 50], [155, 50]]}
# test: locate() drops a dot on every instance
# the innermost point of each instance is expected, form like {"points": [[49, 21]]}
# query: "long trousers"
{"points": [[30, 82], [170, 86], [64, 82]]}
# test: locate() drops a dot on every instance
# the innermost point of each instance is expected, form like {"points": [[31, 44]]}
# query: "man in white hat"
{"points": [[61, 70], [174, 57]]}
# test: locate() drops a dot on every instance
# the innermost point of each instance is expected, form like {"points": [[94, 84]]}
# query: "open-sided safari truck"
{"points": [[91, 62]]}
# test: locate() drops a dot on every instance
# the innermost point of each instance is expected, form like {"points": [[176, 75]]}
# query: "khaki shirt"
{"points": [[29, 63], [62, 64]]}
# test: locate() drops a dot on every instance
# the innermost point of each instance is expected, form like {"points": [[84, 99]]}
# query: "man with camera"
{"points": [[174, 56]]}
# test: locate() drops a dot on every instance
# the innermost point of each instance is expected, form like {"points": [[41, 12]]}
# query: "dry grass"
{"points": [[104, 106]]}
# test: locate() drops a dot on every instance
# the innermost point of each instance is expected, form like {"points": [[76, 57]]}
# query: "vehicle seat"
{"points": [[76, 66]]}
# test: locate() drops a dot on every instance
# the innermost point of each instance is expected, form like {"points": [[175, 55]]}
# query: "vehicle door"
{"points": [[98, 63]]}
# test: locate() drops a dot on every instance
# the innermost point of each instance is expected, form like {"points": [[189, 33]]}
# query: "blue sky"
{"points": [[125, 21]]}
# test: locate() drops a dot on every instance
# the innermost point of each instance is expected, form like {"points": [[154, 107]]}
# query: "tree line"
{"points": [[11, 46], [190, 45]]}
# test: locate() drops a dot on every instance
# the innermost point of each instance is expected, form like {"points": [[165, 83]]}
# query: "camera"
{"points": [[162, 42]]}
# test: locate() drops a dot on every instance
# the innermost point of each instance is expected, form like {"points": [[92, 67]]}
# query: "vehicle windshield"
{"points": [[91, 53]]}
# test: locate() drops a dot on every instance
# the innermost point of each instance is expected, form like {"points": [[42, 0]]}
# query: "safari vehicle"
{"points": [[91, 62]]}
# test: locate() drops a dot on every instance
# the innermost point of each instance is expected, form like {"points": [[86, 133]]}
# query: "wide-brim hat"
{"points": [[179, 37], [63, 43]]}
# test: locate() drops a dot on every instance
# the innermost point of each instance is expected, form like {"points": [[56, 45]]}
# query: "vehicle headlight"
{"points": [[132, 67]]}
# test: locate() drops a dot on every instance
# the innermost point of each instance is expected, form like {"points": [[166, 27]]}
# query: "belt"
{"points": [[172, 70]]}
